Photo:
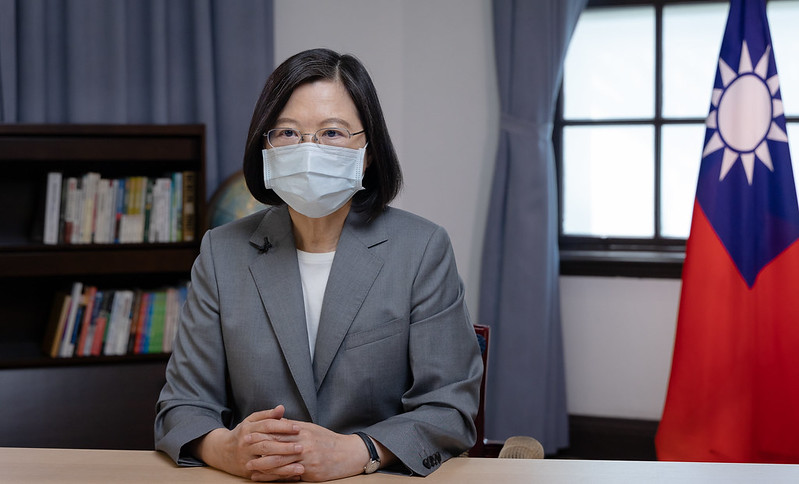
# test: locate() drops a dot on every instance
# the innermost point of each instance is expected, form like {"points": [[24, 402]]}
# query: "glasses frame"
{"points": [[314, 137]]}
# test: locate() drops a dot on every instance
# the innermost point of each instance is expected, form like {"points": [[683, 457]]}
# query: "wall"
{"points": [[433, 66], [618, 337]]}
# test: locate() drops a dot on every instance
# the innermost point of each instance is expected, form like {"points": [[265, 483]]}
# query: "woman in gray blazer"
{"points": [[327, 335]]}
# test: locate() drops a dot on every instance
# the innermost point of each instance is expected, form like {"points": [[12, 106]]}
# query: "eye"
{"points": [[331, 134], [286, 133]]}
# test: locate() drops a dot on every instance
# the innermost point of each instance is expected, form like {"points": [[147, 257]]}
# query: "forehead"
{"points": [[315, 103]]}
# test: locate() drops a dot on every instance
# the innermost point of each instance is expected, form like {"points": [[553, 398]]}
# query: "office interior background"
{"points": [[433, 64]]}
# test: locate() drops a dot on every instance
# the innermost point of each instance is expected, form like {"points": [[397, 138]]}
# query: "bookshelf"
{"points": [[72, 401]]}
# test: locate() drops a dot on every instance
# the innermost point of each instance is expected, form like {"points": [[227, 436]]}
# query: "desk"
{"points": [[66, 466]]}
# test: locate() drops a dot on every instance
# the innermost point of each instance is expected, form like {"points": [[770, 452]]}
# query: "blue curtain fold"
{"points": [[519, 288], [139, 62]]}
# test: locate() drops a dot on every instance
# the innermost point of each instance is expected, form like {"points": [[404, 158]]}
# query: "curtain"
{"points": [[139, 62], [519, 295]]}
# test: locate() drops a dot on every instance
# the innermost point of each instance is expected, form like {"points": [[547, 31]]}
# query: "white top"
{"points": [[314, 271]]}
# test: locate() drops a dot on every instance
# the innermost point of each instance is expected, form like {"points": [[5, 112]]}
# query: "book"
{"points": [[102, 223], [117, 337], [90, 182], [71, 209], [66, 348], [170, 318], [115, 323], [63, 215], [91, 333], [52, 213], [124, 322], [119, 198], [55, 325], [101, 328], [110, 332], [149, 235], [176, 208], [155, 331], [131, 228], [135, 315], [89, 293], [141, 322], [189, 196], [73, 338], [161, 209], [143, 339]]}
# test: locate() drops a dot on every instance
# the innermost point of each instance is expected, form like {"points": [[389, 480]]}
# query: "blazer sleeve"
{"points": [[193, 401], [441, 402]]}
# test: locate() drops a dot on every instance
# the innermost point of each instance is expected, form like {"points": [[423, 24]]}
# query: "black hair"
{"points": [[383, 178]]}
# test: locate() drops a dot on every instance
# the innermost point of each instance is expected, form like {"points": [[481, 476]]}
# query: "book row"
{"points": [[90, 209], [89, 321]]}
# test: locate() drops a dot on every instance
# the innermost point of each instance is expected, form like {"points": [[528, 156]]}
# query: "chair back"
{"points": [[482, 333]]}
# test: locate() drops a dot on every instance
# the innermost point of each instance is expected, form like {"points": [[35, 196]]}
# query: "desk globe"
{"points": [[231, 201]]}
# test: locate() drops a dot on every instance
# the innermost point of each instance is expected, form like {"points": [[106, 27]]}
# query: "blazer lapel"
{"points": [[354, 270], [277, 277]]}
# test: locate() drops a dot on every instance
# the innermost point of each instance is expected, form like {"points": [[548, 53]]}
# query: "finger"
{"points": [[276, 465], [270, 447], [272, 426], [272, 413]]}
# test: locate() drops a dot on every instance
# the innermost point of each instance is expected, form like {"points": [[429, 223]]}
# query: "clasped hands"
{"points": [[267, 447]]}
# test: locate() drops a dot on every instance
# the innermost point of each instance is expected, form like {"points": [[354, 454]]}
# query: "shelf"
{"points": [[16, 355], [98, 259], [74, 401], [63, 143]]}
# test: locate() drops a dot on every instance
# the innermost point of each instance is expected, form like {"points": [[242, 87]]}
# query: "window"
{"points": [[630, 127]]}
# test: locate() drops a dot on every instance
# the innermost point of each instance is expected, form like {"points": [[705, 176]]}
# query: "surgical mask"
{"points": [[313, 179]]}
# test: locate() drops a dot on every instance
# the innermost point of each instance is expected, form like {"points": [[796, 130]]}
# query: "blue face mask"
{"points": [[315, 180]]}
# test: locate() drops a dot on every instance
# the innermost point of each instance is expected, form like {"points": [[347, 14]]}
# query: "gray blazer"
{"points": [[396, 355]]}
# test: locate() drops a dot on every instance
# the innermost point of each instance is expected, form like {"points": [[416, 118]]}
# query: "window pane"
{"points": [[610, 65], [681, 154], [793, 144], [608, 187], [783, 17], [691, 42]]}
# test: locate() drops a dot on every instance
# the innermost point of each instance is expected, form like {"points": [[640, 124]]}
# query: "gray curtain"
{"points": [[139, 62], [519, 296]]}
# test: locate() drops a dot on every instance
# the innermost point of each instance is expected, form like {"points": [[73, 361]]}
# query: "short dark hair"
{"points": [[383, 178]]}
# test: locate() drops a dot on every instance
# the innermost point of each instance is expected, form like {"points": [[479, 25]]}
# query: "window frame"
{"points": [[651, 257]]}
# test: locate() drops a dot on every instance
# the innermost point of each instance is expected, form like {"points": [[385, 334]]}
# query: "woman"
{"points": [[327, 335]]}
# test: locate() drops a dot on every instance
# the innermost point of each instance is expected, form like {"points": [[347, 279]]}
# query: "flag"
{"points": [[733, 394]]}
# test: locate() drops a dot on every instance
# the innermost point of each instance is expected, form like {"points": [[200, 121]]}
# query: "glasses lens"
{"points": [[333, 136], [283, 136]]}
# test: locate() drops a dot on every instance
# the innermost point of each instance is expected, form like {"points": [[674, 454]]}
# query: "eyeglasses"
{"points": [[326, 136]]}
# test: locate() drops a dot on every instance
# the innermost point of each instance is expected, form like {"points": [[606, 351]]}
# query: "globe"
{"points": [[231, 201]]}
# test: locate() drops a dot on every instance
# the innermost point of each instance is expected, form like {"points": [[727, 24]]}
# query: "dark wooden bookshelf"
{"points": [[83, 402]]}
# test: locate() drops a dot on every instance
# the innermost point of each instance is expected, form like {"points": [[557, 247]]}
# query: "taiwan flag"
{"points": [[733, 395]]}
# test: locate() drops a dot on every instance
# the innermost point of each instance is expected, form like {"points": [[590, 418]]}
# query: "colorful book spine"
{"points": [[89, 295]]}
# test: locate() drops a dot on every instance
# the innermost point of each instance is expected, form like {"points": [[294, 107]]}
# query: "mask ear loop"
{"points": [[366, 160]]}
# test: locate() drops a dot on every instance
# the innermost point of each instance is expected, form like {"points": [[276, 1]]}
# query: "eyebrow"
{"points": [[325, 122]]}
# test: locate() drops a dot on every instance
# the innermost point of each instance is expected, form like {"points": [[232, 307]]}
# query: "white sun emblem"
{"points": [[743, 115]]}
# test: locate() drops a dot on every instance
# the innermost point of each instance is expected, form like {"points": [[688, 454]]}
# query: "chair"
{"points": [[516, 447], [482, 333]]}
